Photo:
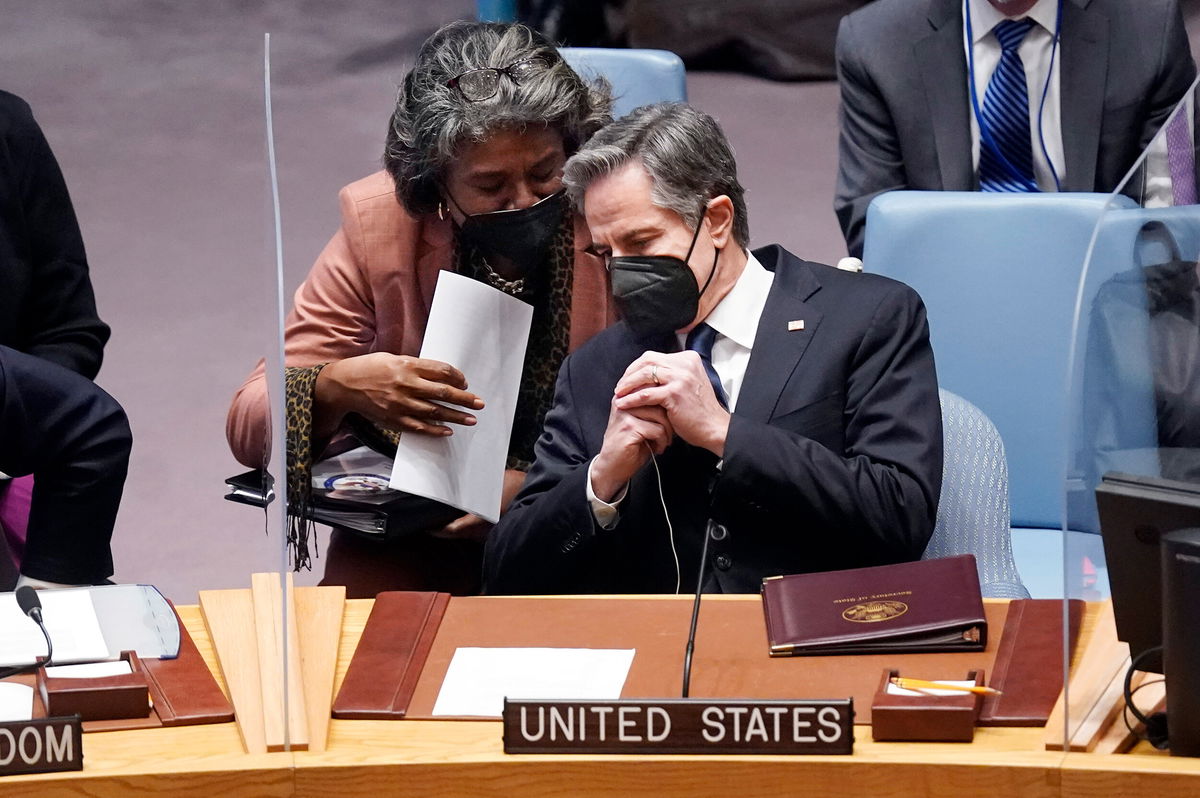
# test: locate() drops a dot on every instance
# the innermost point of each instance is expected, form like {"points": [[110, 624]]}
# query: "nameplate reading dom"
{"points": [[44, 745], [679, 726]]}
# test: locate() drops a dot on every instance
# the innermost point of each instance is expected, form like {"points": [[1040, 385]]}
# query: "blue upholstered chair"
{"points": [[638, 77], [973, 509], [1000, 277], [496, 10]]}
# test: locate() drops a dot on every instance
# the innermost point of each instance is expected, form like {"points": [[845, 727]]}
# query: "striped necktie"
{"points": [[700, 340], [1006, 118]]}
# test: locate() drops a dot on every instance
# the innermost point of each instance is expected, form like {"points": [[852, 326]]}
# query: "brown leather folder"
{"points": [[183, 689], [923, 606], [390, 656], [1029, 662]]}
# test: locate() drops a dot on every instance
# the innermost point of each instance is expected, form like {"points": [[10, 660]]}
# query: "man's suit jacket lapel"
{"points": [[1083, 73], [942, 63], [778, 350]]}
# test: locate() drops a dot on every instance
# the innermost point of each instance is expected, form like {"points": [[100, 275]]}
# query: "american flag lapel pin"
{"points": [[797, 324]]}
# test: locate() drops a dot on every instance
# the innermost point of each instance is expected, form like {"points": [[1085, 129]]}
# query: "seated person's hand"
{"points": [[472, 527], [677, 384], [399, 391], [628, 441]]}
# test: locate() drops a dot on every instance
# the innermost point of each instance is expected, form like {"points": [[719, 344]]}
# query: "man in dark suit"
{"points": [[798, 427], [1094, 101]]}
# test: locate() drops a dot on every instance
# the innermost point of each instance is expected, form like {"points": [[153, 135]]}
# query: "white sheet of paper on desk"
{"points": [[479, 679], [895, 689], [482, 332], [16, 701], [89, 670], [70, 619]]}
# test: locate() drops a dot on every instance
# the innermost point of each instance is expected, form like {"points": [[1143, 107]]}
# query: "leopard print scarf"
{"points": [[299, 384], [548, 290]]}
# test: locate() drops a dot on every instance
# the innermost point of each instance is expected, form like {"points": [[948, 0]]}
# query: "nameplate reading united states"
{"points": [[679, 726], [44, 745]]}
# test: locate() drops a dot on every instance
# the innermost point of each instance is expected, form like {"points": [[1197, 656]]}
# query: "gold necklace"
{"points": [[511, 287]]}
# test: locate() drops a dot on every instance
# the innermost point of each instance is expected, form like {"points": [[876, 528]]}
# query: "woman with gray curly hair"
{"points": [[483, 123]]}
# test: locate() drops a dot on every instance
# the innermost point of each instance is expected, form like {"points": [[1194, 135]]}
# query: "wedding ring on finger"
{"points": [[654, 374]]}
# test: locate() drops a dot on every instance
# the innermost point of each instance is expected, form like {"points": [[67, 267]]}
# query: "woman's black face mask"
{"points": [[657, 294], [522, 236]]}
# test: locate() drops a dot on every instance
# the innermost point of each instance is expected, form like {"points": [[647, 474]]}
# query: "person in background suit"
{"points": [[908, 120], [785, 408], [54, 422]]}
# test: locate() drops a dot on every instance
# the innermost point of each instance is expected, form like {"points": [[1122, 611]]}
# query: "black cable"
{"points": [[1126, 712], [1156, 724], [49, 643]]}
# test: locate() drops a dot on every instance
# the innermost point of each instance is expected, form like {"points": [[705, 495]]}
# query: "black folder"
{"points": [[393, 515]]}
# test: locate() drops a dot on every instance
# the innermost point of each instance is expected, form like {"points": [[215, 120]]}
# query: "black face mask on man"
{"points": [[522, 236], [657, 294]]}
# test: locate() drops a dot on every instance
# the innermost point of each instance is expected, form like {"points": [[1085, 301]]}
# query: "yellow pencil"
{"points": [[922, 684]]}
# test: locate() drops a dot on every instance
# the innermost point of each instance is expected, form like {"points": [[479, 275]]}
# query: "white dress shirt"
{"points": [[735, 318], [1035, 52]]}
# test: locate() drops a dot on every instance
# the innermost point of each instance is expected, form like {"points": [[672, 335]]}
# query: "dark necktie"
{"points": [[700, 340], [1181, 159], [1006, 117]]}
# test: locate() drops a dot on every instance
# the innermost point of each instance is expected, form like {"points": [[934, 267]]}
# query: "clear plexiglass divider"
{"points": [[1134, 435], [283, 713]]}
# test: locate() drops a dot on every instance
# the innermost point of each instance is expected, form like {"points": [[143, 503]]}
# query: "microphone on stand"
{"points": [[31, 605], [712, 531]]}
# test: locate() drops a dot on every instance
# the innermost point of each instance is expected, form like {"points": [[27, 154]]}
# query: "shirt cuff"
{"points": [[606, 513]]}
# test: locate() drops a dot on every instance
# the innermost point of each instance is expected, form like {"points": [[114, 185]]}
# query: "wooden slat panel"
{"points": [[1151, 698], [319, 616], [229, 617], [1098, 661], [284, 721], [1103, 714]]}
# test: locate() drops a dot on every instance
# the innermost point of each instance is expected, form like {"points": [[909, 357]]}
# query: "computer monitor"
{"points": [[1135, 512]]}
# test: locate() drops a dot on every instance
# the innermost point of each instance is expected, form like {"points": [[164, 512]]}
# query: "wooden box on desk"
{"points": [[925, 718], [98, 698]]}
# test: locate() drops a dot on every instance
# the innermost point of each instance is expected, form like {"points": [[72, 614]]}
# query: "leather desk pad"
{"points": [[730, 660]]}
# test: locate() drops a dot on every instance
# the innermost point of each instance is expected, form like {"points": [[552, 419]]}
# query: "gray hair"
{"points": [[432, 121], [684, 151]]}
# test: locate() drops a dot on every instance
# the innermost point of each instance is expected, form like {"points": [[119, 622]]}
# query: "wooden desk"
{"points": [[465, 758]]}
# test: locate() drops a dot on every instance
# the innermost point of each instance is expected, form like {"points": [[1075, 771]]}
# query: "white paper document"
{"points": [[70, 619], [479, 679], [895, 689], [89, 670], [16, 701], [482, 332]]}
